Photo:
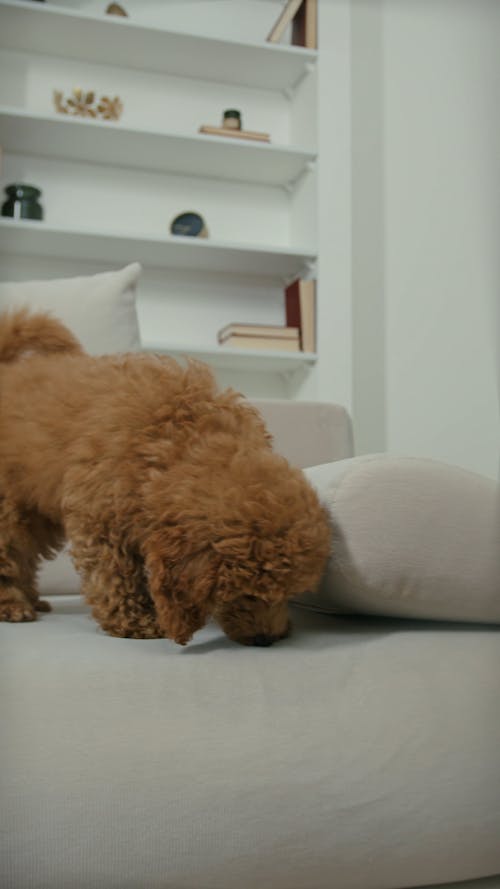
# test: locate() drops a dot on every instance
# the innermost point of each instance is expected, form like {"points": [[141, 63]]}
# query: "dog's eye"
{"points": [[249, 598]]}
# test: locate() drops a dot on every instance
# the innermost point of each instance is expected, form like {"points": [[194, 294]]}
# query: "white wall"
{"points": [[426, 230]]}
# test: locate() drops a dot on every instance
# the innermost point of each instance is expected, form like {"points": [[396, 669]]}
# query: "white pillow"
{"points": [[412, 538], [99, 309]]}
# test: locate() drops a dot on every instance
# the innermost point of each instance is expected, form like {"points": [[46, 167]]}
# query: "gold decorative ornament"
{"points": [[116, 9], [84, 104]]}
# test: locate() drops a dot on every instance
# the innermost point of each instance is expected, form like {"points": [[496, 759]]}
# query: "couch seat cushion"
{"points": [[358, 754]]}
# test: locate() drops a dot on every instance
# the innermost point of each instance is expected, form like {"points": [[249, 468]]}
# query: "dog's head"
{"points": [[237, 544]]}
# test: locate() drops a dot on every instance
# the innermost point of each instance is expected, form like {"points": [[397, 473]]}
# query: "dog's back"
{"points": [[28, 343], [24, 333], [116, 415]]}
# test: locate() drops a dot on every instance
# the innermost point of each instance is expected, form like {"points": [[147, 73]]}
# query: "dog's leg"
{"points": [[24, 538], [113, 583]]}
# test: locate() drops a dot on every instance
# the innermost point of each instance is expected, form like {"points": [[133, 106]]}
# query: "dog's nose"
{"points": [[262, 641]]}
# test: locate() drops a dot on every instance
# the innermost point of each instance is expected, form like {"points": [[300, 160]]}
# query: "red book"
{"points": [[300, 308]]}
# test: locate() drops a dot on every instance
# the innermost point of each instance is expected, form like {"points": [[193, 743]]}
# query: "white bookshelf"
{"points": [[101, 142], [111, 188]]}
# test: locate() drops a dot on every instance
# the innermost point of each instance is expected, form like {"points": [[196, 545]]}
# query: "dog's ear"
{"points": [[181, 586]]}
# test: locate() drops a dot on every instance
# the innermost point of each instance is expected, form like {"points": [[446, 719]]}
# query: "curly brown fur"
{"points": [[175, 505]]}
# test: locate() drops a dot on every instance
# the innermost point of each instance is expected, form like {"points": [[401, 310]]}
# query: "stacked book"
{"points": [[260, 336], [298, 333]]}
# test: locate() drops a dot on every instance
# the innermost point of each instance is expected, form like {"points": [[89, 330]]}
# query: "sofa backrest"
{"points": [[307, 432]]}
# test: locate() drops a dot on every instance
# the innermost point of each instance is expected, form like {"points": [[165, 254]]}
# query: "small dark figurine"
{"points": [[22, 202]]}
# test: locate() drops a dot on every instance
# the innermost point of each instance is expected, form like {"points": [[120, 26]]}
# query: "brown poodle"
{"points": [[175, 505]]}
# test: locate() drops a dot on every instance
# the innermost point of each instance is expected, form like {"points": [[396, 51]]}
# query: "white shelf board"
{"points": [[257, 360], [19, 237], [42, 28], [95, 141]]}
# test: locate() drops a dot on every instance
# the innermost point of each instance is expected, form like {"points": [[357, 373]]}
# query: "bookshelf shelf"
{"points": [[258, 360], [111, 40], [18, 237], [102, 142]]}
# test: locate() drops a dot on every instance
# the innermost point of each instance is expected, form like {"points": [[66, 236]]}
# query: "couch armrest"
{"points": [[306, 432]]}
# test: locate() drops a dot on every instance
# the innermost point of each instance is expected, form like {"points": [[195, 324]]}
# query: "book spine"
{"points": [[292, 306], [259, 330], [287, 14], [300, 310], [304, 31], [308, 315], [312, 24], [277, 344]]}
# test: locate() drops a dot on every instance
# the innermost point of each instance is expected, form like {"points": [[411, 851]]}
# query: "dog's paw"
{"points": [[42, 605], [15, 607]]}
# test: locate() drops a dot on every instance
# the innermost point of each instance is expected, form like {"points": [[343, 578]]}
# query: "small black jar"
{"points": [[22, 202], [231, 119]]}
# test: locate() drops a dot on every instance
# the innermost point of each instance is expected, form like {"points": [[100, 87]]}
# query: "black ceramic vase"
{"points": [[22, 202]]}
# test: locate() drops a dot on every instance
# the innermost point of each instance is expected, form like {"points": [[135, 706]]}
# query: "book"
{"points": [[287, 14], [261, 330], [235, 134], [273, 343], [300, 310], [305, 25]]}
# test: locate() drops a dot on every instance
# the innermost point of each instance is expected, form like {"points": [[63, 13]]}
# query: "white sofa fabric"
{"points": [[308, 433], [99, 309], [357, 754], [412, 538]]}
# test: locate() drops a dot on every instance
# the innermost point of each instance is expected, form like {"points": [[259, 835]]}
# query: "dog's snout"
{"points": [[262, 641]]}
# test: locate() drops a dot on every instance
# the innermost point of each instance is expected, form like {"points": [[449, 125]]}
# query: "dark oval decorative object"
{"points": [[189, 224], [22, 202]]}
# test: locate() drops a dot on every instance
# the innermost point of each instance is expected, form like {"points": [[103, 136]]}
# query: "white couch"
{"points": [[360, 753]]}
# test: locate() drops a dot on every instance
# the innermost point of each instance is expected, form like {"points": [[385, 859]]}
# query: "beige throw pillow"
{"points": [[413, 538], [99, 309]]}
